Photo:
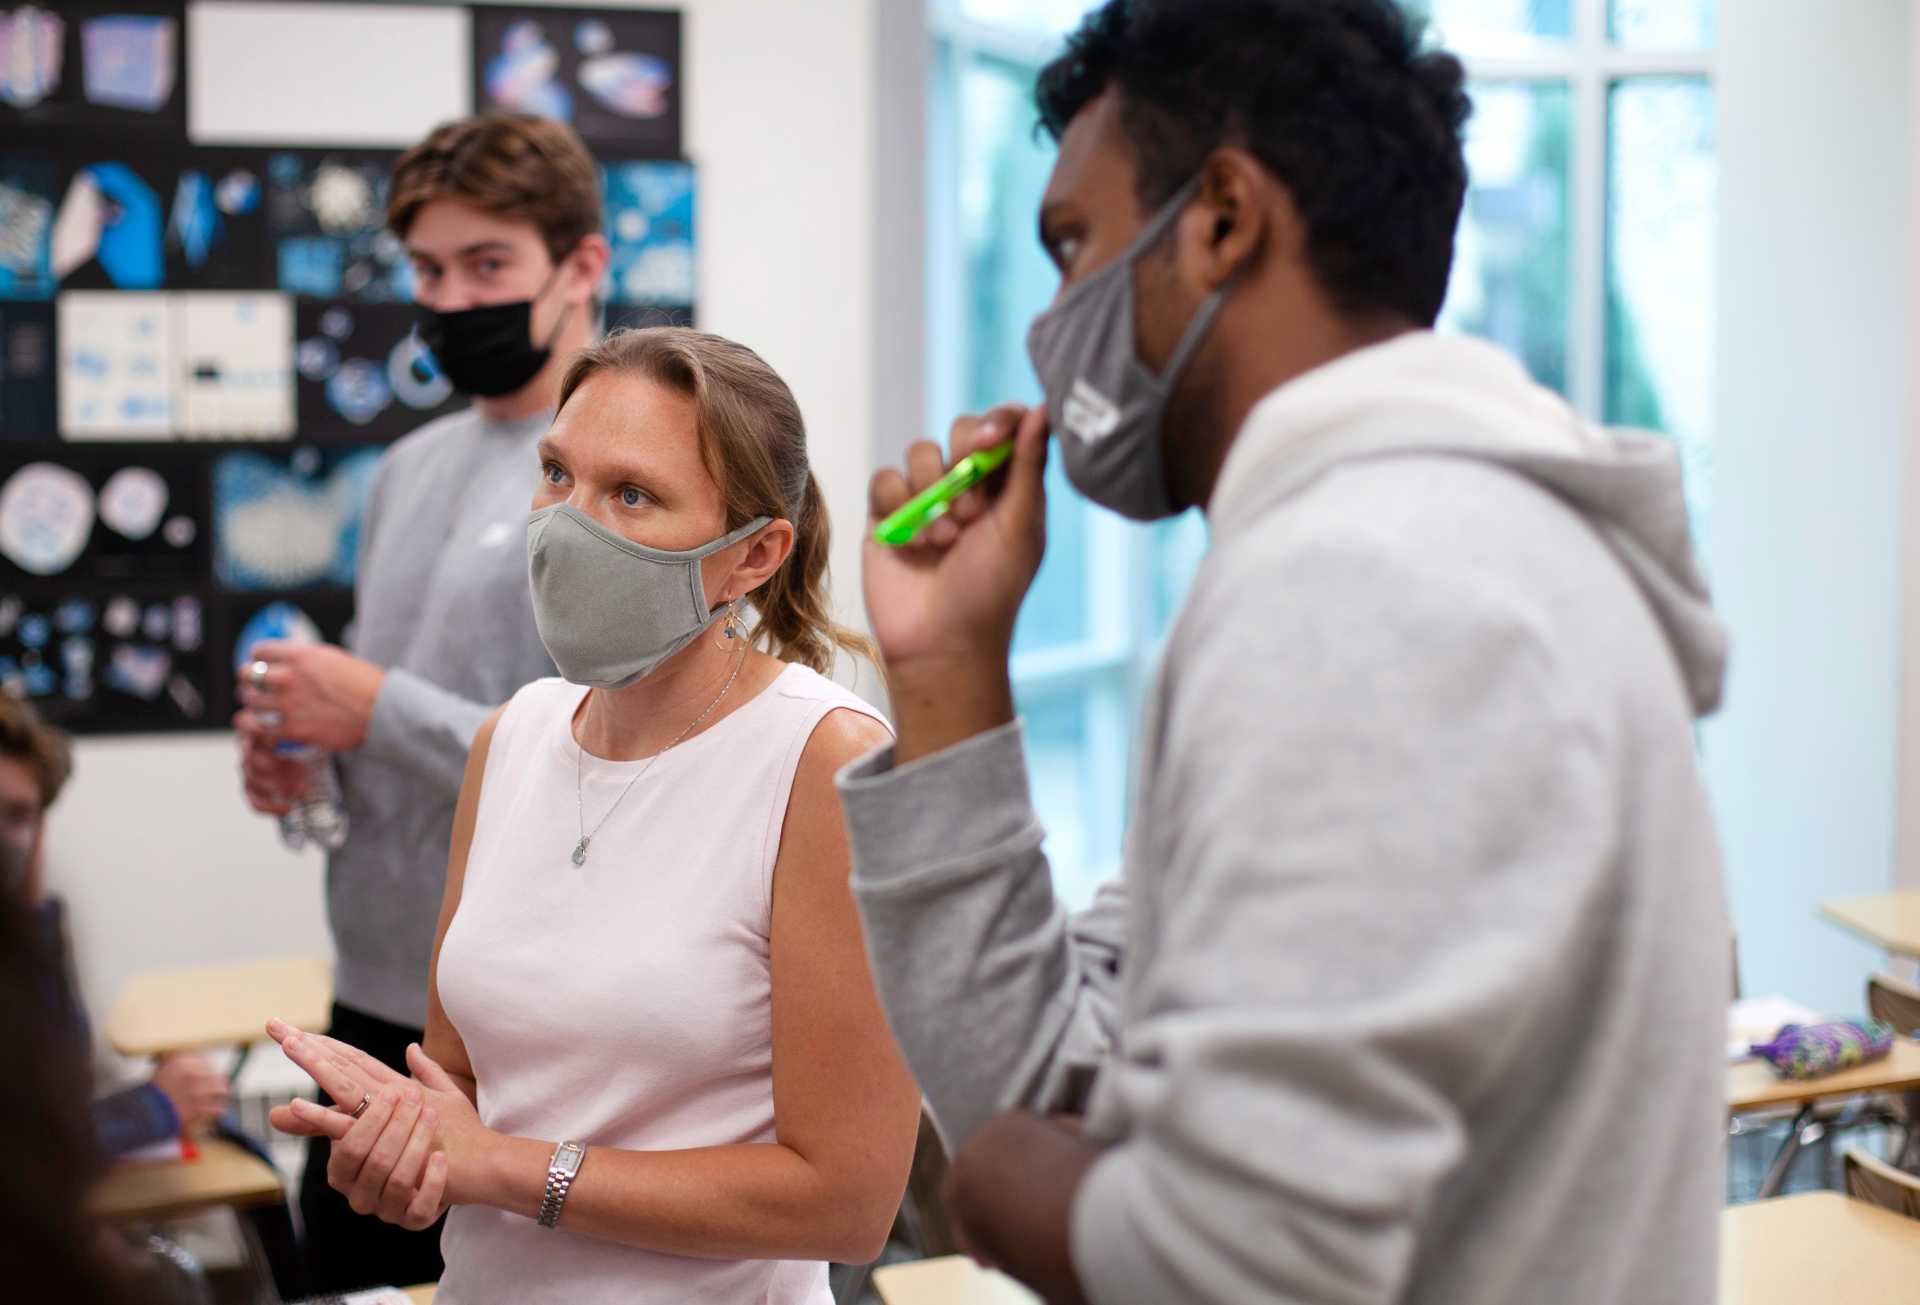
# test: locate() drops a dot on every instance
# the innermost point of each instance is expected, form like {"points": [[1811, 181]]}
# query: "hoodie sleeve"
{"points": [[998, 996], [421, 727], [1377, 834]]}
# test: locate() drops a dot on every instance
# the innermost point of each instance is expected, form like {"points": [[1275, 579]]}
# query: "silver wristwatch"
{"points": [[560, 1174]]}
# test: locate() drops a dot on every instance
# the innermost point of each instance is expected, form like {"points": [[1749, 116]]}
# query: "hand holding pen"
{"points": [[942, 605]]}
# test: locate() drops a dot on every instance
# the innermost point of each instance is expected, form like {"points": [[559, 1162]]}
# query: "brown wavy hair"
{"points": [[754, 444], [514, 166], [42, 749]]}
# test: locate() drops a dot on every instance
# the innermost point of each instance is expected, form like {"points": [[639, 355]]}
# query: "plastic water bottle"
{"points": [[319, 816]]}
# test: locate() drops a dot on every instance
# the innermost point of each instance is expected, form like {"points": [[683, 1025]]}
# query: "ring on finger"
{"points": [[366, 1099], [257, 674]]}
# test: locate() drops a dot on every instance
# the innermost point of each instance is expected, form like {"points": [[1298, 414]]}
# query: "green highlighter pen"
{"points": [[931, 503]]}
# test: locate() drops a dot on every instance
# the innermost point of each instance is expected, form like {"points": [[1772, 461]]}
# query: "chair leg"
{"points": [[1783, 1158], [853, 1285]]}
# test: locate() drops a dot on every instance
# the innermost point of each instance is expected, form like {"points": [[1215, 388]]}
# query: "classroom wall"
{"points": [[160, 862], [796, 113], [1907, 867], [1812, 421]]}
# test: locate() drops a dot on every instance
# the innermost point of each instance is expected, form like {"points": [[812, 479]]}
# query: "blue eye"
{"points": [[552, 472], [632, 497]]}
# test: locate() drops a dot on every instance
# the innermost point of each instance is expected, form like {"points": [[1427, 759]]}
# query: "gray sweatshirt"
{"points": [[443, 604], [1414, 985]]}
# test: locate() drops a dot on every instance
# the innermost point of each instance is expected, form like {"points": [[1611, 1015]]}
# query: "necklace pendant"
{"points": [[580, 851]]}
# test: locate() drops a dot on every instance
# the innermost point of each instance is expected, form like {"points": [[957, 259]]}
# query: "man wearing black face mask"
{"points": [[501, 217], [1422, 901]]}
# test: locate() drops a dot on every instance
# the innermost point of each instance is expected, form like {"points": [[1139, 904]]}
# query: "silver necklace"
{"points": [[579, 769]]}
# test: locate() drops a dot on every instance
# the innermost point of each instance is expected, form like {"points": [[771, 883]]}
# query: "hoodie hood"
{"points": [[1426, 395]]}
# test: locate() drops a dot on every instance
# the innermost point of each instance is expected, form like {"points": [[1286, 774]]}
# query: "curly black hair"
{"points": [[1335, 97]]}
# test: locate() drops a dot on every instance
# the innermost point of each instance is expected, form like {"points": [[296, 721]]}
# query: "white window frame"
{"points": [[1109, 670], [1110, 667], [1588, 64]]}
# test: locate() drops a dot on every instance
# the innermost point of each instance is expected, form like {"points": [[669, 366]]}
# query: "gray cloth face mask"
{"points": [[1105, 407], [610, 610]]}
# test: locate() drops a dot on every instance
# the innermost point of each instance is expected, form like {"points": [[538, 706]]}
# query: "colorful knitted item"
{"points": [[1810, 1050]]}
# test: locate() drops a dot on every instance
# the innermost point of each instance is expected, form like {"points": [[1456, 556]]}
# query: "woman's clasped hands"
{"points": [[397, 1160]]}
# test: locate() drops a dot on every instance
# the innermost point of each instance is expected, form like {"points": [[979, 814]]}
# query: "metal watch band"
{"points": [[560, 1173]]}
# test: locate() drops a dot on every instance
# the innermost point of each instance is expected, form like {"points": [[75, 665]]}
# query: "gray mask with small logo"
{"points": [[1105, 407], [610, 610]]}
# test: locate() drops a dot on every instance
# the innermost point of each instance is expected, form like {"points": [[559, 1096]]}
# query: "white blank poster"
{"points": [[325, 74]]}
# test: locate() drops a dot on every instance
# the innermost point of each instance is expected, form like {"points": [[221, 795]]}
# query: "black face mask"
{"points": [[488, 351]]}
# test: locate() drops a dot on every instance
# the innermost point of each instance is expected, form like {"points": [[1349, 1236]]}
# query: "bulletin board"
{"points": [[207, 337]]}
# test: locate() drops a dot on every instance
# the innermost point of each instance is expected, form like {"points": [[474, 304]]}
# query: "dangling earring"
{"points": [[730, 625]]}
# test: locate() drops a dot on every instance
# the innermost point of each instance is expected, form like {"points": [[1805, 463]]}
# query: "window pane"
{"points": [[1057, 763], [1044, 17], [1660, 252], [1008, 279], [1511, 261], [1490, 23], [1178, 546], [1663, 24]]}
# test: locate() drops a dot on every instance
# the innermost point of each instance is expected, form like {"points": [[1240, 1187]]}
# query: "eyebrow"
{"points": [[468, 251]]}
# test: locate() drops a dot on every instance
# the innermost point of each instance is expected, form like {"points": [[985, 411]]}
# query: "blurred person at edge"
{"points": [[185, 1094], [1422, 895], [54, 1141], [501, 216]]}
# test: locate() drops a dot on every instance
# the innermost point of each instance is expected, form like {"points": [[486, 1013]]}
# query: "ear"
{"points": [[585, 266], [1235, 221], [765, 552]]}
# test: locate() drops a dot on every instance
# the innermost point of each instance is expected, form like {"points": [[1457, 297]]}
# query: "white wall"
{"points": [[1811, 413], [159, 860], [1907, 869]]}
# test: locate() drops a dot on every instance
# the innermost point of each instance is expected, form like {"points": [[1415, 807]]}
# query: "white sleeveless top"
{"points": [[626, 1002]]}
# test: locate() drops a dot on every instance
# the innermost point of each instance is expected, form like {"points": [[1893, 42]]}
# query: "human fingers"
{"points": [[403, 1184], [370, 1186], [375, 1070], [349, 1155], [336, 1077], [925, 464], [885, 493], [428, 1071], [431, 1200], [971, 434], [1024, 494], [303, 1118]]}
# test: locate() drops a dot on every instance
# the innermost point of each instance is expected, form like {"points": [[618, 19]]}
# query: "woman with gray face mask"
{"points": [[655, 1068]]}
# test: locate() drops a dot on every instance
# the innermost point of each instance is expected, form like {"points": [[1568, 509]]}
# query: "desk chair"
{"points": [[1875, 1181], [1898, 1003]]}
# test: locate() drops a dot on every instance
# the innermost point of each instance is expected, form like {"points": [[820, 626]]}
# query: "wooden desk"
{"points": [[1817, 1246], [224, 1174], [1890, 919], [422, 1295], [218, 1006], [1752, 1084], [949, 1280]]}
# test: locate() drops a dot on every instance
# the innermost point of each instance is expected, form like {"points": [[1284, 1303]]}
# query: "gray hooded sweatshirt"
{"points": [[1413, 987]]}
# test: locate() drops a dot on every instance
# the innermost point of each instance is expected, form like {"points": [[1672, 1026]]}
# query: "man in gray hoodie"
{"points": [[1413, 988]]}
